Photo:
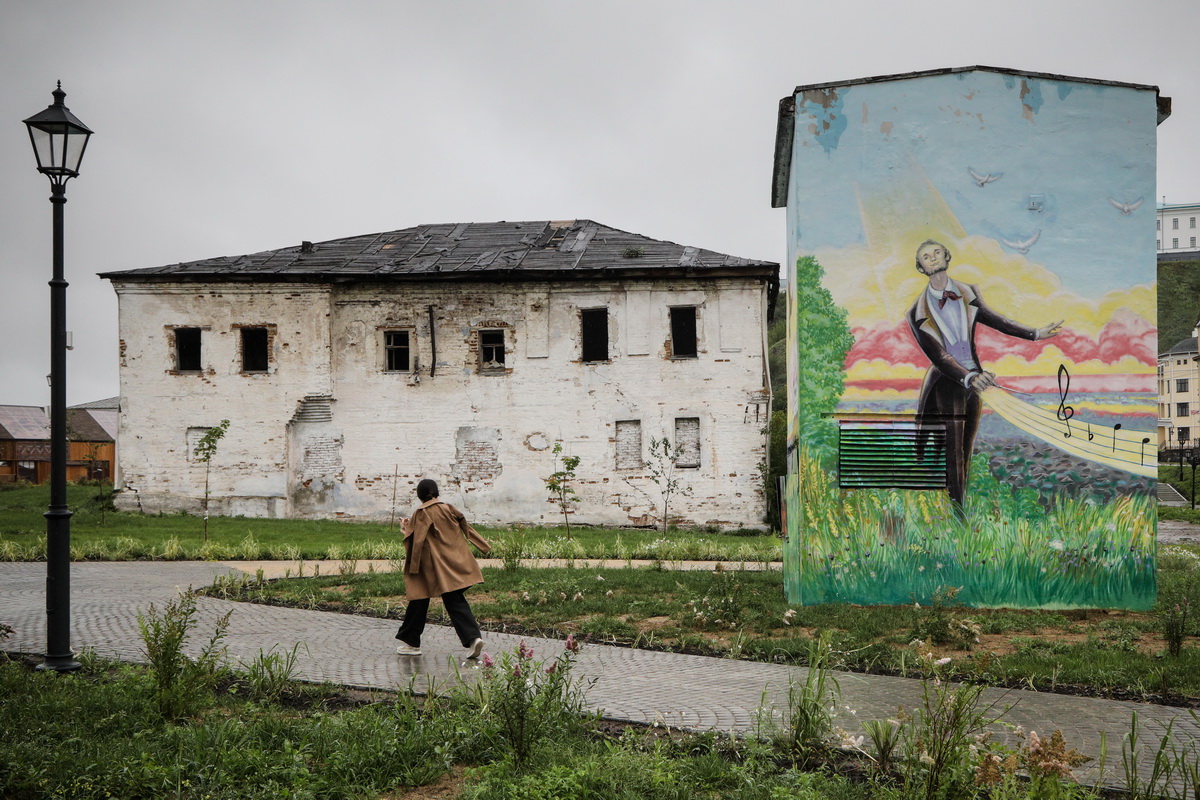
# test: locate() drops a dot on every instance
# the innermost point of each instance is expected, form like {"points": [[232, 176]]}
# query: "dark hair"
{"points": [[427, 490], [925, 244]]}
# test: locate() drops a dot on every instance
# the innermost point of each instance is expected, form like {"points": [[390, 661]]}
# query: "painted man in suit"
{"points": [[943, 320]]}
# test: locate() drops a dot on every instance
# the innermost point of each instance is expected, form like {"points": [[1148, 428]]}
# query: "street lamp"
{"points": [[59, 139]]}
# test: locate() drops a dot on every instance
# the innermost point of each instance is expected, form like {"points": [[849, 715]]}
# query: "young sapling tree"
{"points": [[206, 448], [664, 458], [559, 483]]}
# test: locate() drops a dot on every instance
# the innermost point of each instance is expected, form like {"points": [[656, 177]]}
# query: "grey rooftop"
{"points": [[466, 250]]}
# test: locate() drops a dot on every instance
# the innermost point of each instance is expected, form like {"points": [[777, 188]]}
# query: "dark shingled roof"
{"points": [[467, 251], [83, 426], [107, 404], [1182, 347]]}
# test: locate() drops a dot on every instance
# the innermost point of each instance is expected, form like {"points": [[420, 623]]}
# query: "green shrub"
{"points": [[527, 703], [183, 685]]}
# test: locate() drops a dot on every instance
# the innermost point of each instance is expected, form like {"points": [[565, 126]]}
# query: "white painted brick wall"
{"points": [[486, 439]]}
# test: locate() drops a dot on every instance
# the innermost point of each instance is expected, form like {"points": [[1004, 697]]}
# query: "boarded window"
{"points": [[683, 332], [254, 350], [594, 334], [187, 350], [397, 350], [629, 444], [687, 440], [491, 351], [194, 435], [891, 454]]}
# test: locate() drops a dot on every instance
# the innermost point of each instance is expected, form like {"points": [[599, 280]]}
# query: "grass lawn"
{"points": [[101, 534], [98, 733], [743, 614]]}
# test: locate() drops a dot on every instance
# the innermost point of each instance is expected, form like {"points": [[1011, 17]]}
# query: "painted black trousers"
{"points": [[413, 624]]}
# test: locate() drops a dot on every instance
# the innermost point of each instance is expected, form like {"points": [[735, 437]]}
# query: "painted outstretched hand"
{"points": [[1050, 331]]}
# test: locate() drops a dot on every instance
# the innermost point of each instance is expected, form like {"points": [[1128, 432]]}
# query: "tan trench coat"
{"points": [[437, 557]]}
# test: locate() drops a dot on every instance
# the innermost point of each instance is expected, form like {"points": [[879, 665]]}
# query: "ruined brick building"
{"points": [[350, 369]]}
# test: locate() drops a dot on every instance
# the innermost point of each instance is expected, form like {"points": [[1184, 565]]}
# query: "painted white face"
{"points": [[932, 258]]}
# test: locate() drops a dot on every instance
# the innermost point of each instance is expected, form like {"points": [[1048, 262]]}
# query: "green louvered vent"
{"points": [[891, 455]]}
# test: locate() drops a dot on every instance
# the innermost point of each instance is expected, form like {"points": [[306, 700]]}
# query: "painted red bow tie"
{"points": [[948, 295]]}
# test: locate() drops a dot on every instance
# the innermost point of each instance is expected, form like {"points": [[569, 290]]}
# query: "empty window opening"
{"points": [[254, 350], [594, 333], [397, 351], [687, 440], [629, 444], [683, 332], [187, 350], [491, 351]]}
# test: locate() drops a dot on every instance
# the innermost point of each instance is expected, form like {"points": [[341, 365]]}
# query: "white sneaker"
{"points": [[475, 649], [407, 650]]}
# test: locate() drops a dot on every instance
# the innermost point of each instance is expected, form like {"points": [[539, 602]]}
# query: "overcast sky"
{"points": [[225, 128]]}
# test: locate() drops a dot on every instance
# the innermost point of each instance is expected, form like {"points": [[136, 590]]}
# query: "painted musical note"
{"points": [[1065, 412], [1144, 443], [1046, 423]]}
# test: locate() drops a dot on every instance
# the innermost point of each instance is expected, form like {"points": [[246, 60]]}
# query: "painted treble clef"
{"points": [[1065, 412]]}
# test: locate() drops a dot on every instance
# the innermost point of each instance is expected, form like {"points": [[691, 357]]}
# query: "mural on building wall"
{"points": [[973, 307]]}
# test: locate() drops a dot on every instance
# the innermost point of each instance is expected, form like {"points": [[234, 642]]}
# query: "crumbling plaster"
{"points": [[487, 438]]}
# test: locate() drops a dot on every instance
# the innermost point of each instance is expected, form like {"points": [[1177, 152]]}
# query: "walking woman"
{"points": [[439, 563]]}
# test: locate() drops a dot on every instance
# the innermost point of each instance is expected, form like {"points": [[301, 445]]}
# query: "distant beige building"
{"points": [[351, 369], [1179, 394]]}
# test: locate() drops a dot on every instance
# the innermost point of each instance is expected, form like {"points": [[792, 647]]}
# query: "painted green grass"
{"points": [[890, 547], [104, 535]]}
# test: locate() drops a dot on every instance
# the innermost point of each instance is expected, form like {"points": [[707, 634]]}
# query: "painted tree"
{"points": [[823, 338], [664, 458], [559, 483], [206, 448]]}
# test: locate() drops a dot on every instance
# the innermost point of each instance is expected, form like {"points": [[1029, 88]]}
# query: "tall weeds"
{"points": [[183, 685], [526, 703]]}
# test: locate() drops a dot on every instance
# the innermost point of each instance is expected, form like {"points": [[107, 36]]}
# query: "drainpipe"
{"points": [[432, 344]]}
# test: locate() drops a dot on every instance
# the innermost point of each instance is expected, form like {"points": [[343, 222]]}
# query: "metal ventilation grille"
{"points": [[891, 455]]}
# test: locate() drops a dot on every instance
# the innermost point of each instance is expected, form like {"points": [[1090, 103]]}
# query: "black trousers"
{"points": [[413, 624]]}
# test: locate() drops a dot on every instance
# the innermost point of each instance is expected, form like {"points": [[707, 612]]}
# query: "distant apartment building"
{"points": [[1177, 232]]}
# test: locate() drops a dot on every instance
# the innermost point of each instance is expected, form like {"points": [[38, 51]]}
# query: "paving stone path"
{"points": [[681, 691]]}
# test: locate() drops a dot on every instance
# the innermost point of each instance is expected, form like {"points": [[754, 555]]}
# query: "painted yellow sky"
{"points": [[898, 217]]}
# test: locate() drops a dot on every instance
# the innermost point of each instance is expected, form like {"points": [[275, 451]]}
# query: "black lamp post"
{"points": [[59, 139]]}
